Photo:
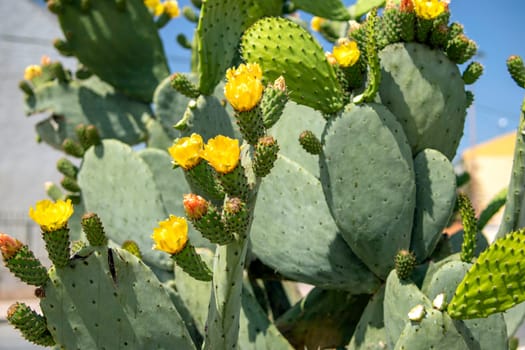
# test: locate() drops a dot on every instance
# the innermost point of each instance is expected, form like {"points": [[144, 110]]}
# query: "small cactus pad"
{"points": [[220, 28], [470, 227], [310, 142], [32, 325], [495, 282], [104, 290], [285, 232], [435, 199], [405, 262], [516, 69], [282, 47], [96, 30], [425, 91], [368, 180]]}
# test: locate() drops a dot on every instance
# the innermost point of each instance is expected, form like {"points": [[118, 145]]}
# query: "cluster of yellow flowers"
{"points": [[51, 216], [221, 152], [430, 9], [346, 53], [32, 72], [244, 86], [170, 7]]}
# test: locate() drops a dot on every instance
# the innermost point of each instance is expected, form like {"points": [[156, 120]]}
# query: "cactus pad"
{"points": [[495, 282], [368, 180], [285, 232], [295, 55], [133, 59], [331, 9], [435, 199], [425, 91], [104, 290]]}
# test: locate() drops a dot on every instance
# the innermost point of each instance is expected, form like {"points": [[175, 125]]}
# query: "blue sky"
{"points": [[499, 30]]}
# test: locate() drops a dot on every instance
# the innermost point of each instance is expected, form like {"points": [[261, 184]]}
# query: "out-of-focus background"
{"points": [[27, 30]]}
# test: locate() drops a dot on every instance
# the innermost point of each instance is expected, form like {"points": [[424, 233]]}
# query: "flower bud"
{"points": [[195, 206], [9, 246]]}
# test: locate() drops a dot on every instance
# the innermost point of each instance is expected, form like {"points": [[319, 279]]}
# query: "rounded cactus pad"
{"points": [[282, 47], [425, 91], [368, 180]]}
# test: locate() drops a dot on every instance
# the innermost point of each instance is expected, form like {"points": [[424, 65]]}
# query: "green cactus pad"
{"points": [[133, 59], [57, 245], [107, 298], [400, 298], [32, 325], [284, 232], [323, 319], [330, 9], [425, 91], [106, 176], [368, 180], [295, 55], [191, 262], [435, 331], [94, 230], [370, 332], [221, 25], [516, 70], [495, 282], [435, 199], [286, 131], [89, 101], [445, 279], [27, 267]]}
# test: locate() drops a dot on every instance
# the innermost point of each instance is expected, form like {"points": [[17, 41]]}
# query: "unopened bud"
{"points": [[9, 246], [195, 206]]}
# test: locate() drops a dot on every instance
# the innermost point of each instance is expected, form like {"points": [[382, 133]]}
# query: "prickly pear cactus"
{"points": [[347, 187]]}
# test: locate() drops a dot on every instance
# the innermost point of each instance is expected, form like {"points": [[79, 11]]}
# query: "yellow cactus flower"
{"points": [[429, 9], [186, 151], [154, 6], [316, 23], [51, 216], [222, 153], [171, 235], [32, 72], [346, 53], [244, 88], [171, 8]]}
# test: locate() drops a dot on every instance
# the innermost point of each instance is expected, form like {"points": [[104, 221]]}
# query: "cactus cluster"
{"points": [[270, 163]]}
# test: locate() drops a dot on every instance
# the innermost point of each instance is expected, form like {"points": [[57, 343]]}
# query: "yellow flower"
{"points": [[429, 9], [51, 216], [316, 23], [244, 87], [171, 7], [222, 153], [171, 235], [32, 72], [155, 6], [186, 151], [346, 53]]}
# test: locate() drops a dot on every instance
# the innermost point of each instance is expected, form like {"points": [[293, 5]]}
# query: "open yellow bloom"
{"points": [[155, 6], [316, 23], [429, 9], [171, 7], [32, 72], [346, 53], [244, 87], [186, 151], [222, 153], [51, 216], [171, 235]]}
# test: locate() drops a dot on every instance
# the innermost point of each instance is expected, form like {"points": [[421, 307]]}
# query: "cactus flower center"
{"points": [[244, 87], [346, 53], [171, 235], [222, 153], [32, 72], [429, 9], [186, 151], [51, 216], [9, 246]]}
